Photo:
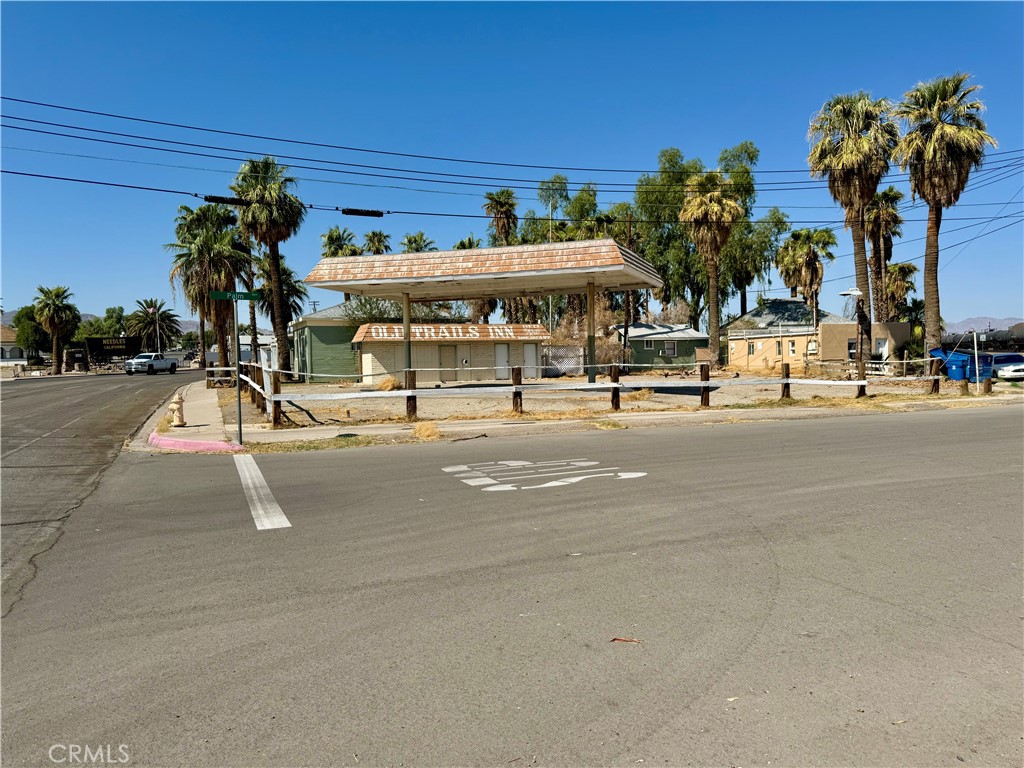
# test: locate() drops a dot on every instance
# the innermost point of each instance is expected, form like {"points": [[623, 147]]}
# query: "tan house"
{"points": [[781, 331], [776, 331], [839, 341], [450, 352]]}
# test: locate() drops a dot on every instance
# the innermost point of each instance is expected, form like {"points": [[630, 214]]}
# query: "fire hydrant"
{"points": [[177, 410]]}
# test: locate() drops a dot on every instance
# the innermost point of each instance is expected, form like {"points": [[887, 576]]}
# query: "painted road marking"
{"points": [[36, 440], [265, 510], [523, 475]]}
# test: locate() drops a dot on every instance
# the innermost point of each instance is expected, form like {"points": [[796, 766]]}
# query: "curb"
{"points": [[193, 446]]}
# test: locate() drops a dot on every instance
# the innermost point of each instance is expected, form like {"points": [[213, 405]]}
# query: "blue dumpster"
{"points": [[956, 363], [982, 365]]}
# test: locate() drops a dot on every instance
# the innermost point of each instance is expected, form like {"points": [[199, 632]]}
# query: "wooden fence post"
{"points": [[862, 389], [705, 392], [517, 396], [785, 381], [275, 389], [934, 370], [986, 386], [410, 400], [209, 376], [615, 390]]}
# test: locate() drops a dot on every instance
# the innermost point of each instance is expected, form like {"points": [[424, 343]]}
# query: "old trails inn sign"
{"points": [[107, 347], [451, 332]]}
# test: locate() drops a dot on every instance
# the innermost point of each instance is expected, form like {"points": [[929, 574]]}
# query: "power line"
{"points": [[444, 177], [436, 214], [342, 147]]}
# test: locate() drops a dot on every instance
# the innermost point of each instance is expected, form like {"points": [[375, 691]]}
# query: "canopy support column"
{"points": [[407, 331], [591, 342]]}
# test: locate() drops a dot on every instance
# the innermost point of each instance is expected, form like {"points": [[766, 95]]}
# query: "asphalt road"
{"points": [[842, 591], [57, 436]]}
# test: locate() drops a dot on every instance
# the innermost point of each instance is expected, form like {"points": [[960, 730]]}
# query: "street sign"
{"points": [[236, 295]]}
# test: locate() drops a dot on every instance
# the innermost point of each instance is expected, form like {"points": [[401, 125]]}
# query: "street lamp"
{"points": [[859, 304], [152, 310]]}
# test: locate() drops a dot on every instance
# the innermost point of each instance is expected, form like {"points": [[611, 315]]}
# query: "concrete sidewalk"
{"points": [[207, 432]]}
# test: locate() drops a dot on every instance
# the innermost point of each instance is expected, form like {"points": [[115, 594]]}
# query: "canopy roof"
{"points": [[521, 270]]}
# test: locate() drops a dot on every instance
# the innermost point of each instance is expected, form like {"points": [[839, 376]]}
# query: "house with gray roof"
{"points": [[663, 343]]}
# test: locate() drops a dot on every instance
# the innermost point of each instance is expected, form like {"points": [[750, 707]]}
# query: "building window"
{"points": [[778, 348], [648, 344], [670, 349], [750, 349], [792, 348], [851, 349], [812, 347]]}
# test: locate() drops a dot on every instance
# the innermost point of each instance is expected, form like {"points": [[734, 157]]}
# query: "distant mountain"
{"points": [[983, 324]]}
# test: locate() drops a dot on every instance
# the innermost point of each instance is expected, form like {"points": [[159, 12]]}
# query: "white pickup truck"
{"points": [[150, 362]]}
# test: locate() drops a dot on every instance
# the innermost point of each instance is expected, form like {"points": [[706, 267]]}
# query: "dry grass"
{"points": [[639, 396], [164, 425], [609, 424], [299, 446], [387, 384], [426, 430]]}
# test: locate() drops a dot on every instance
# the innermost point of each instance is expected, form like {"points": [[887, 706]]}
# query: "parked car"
{"points": [[150, 363], [1001, 360], [1012, 372]]}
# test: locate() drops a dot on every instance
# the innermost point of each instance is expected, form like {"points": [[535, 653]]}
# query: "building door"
{"points": [[530, 370], [465, 362], [882, 348], [448, 366], [501, 362]]}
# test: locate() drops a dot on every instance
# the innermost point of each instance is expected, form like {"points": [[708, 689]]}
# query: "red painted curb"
{"points": [[198, 446]]}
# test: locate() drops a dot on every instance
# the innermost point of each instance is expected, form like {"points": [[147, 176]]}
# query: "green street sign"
{"points": [[236, 295]]}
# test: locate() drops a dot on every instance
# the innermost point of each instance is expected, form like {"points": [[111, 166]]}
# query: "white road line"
{"points": [[264, 508]]}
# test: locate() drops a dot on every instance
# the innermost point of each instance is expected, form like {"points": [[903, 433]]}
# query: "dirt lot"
{"points": [[649, 393]]}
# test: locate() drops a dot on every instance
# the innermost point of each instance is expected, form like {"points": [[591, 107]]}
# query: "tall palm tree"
{"points": [[417, 242], [788, 261], [899, 283], [882, 222], [945, 140], [339, 241], [501, 207], [294, 290], [807, 250], [479, 309], [270, 214], [709, 213], [57, 315], [158, 327], [377, 242], [210, 254], [852, 140]]}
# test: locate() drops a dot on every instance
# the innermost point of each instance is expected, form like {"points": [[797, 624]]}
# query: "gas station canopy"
{"points": [[521, 270]]}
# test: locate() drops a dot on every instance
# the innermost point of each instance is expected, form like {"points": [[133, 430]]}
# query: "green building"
{"points": [[322, 345], [663, 344]]}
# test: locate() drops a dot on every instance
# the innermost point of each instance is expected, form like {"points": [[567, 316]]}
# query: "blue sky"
{"points": [[585, 85]]}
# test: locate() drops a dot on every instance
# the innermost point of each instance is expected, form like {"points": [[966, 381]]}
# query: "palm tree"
{"points": [[479, 309], [270, 214], [501, 207], [709, 213], [58, 316], [788, 261], [899, 283], [210, 254], [853, 139], [882, 222], [417, 242], [806, 251], [945, 140], [157, 326], [294, 290], [377, 242], [338, 241]]}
